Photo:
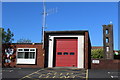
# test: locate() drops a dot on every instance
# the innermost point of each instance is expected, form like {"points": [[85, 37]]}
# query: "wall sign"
{"points": [[95, 61]]}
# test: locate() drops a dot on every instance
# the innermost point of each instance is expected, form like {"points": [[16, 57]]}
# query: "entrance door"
{"points": [[66, 53]]}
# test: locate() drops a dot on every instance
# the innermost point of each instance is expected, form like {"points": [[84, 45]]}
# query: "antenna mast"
{"points": [[44, 22]]}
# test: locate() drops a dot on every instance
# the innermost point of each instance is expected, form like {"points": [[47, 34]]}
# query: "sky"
{"points": [[25, 19]]}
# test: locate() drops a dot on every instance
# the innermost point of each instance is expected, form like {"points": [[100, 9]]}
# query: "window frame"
{"points": [[28, 60]]}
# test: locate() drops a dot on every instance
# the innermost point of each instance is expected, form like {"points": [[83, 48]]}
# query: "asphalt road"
{"points": [[43, 74], [0, 73], [97, 74], [16, 73], [59, 74]]}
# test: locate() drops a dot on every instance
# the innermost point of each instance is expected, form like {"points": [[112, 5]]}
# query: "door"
{"points": [[66, 53]]}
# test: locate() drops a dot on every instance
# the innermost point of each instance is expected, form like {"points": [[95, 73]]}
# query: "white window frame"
{"points": [[23, 60]]}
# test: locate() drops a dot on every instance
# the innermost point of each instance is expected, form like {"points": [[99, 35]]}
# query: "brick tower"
{"points": [[108, 41]]}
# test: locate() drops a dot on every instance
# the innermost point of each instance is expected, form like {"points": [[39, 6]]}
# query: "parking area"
{"points": [[58, 73], [16, 73]]}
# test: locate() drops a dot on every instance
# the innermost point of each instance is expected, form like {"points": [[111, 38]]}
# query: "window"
{"points": [[72, 53], [32, 49], [26, 49], [107, 49], [107, 32], [26, 55], [107, 40], [20, 49], [65, 53], [59, 53], [32, 55], [20, 54]]}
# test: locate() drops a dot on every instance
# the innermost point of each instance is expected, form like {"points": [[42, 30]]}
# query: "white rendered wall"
{"points": [[50, 55], [80, 58]]}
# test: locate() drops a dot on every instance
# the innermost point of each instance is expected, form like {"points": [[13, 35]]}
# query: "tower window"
{"points": [[107, 40], [107, 32], [107, 49]]}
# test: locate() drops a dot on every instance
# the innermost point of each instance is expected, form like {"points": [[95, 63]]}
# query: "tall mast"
{"points": [[44, 22]]}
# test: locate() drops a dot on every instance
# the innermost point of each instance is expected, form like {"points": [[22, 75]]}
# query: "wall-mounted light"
{"points": [[43, 54], [50, 39]]}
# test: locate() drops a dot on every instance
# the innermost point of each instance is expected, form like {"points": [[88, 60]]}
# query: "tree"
{"points": [[97, 53], [119, 51], [7, 36], [23, 41]]}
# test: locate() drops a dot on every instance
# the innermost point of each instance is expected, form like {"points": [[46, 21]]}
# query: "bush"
{"points": [[97, 53]]}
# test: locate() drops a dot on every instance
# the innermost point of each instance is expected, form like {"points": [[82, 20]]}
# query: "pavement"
{"points": [[103, 74], [59, 74]]}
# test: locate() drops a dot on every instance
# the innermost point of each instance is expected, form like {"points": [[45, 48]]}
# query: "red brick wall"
{"points": [[87, 51], [96, 47], [39, 56], [106, 64]]}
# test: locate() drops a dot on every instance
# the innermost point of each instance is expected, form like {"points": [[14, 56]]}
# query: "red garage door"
{"points": [[66, 53]]}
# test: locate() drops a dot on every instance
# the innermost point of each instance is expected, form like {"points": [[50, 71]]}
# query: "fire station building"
{"points": [[59, 49], [67, 49]]}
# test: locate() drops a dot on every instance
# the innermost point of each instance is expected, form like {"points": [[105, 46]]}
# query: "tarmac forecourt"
{"points": [[58, 73]]}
